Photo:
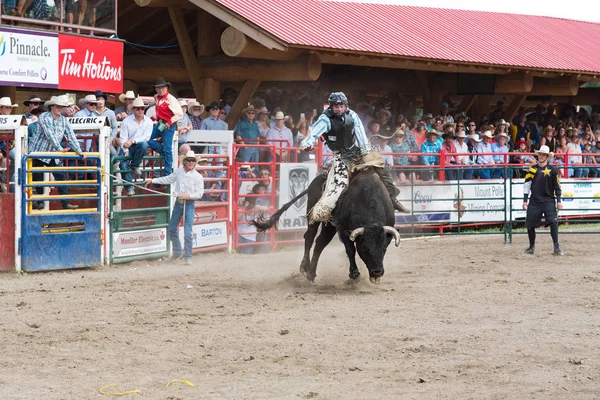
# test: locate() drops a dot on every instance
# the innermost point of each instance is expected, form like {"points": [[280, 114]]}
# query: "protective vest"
{"points": [[341, 135]]}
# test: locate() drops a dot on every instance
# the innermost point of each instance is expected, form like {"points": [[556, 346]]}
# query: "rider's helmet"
{"points": [[337, 98]]}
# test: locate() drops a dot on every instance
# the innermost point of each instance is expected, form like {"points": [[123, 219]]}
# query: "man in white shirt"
{"points": [[189, 187], [280, 132], [136, 130], [461, 147], [485, 147]]}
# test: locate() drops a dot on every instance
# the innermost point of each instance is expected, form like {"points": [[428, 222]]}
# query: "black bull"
{"points": [[365, 219]]}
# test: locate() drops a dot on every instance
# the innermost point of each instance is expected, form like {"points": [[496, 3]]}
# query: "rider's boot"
{"points": [[386, 177]]}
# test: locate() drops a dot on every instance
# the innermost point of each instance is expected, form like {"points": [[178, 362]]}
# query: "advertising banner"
{"points": [[88, 64], [294, 179], [28, 59], [139, 242], [206, 235]]}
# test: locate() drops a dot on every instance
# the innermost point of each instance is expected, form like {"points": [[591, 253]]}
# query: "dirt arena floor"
{"points": [[453, 318]]}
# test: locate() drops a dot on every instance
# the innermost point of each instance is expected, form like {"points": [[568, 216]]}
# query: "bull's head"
{"points": [[371, 244]]}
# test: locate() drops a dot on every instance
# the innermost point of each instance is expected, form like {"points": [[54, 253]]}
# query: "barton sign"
{"points": [[88, 64], [28, 59]]}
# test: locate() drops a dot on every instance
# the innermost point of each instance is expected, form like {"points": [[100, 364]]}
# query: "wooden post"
{"points": [[211, 91], [241, 102], [466, 103], [208, 35], [565, 86], [187, 50], [513, 83], [513, 107], [484, 105]]}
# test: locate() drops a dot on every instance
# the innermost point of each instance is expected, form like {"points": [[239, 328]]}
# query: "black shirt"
{"points": [[543, 183]]}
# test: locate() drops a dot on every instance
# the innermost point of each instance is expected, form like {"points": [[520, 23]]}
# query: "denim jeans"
{"points": [[465, 173], [58, 176], [484, 173], [581, 172], [248, 154], [187, 228], [165, 146], [497, 173], [136, 152]]}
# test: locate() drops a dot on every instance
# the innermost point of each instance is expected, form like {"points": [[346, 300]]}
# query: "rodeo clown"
{"points": [[345, 135]]}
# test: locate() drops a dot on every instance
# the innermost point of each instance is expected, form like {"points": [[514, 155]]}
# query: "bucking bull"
{"points": [[364, 217]]}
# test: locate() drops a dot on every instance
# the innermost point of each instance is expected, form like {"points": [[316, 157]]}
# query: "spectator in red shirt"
{"points": [[168, 112]]}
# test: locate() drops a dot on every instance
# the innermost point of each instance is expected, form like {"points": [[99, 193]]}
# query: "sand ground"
{"points": [[455, 318]]}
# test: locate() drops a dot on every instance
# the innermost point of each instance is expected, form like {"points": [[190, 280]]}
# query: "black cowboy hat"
{"points": [[212, 105], [160, 82], [100, 93], [37, 111], [33, 98]]}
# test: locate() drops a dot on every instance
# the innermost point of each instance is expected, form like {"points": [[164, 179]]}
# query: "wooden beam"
{"points": [[585, 97], [164, 3], [208, 34], [466, 103], [187, 50], [142, 19], [565, 86], [514, 83], [424, 81], [211, 91], [514, 106], [485, 100], [241, 102], [235, 44]]}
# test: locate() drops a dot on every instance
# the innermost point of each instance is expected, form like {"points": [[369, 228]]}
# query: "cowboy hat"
{"points": [[434, 132], [183, 103], [129, 95], [487, 134], [386, 112], [279, 115], [502, 122], [189, 154], [32, 99], [90, 98], [37, 111], [461, 134], [197, 105], [62, 101], [474, 137], [449, 135], [5, 102], [212, 105], [99, 94], [250, 108], [263, 110], [138, 102], [502, 134], [544, 150], [160, 82], [399, 132], [428, 115]]}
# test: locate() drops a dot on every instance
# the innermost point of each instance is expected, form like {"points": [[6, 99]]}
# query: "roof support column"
{"points": [[208, 35], [241, 102], [466, 103], [514, 106], [211, 91]]}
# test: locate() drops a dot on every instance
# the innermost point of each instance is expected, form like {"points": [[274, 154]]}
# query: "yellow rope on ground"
{"points": [[117, 393], [182, 381]]}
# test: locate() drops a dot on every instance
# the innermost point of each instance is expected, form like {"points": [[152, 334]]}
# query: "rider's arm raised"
{"points": [[360, 134]]}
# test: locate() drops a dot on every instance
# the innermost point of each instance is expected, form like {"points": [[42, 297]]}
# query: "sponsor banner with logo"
{"points": [[28, 59], [88, 64], [484, 201], [207, 235], [126, 244], [294, 179]]}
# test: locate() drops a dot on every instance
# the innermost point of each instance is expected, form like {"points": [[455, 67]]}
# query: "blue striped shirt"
{"points": [[323, 125]]}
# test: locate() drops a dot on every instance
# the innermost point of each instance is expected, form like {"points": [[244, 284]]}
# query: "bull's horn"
{"points": [[393, 231], [356, 232]]}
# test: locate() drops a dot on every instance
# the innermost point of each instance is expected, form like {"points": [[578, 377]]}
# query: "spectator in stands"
{"points": [[521, 130], [385, 127], [588, 137], [189, 186], [400, 145], [168, 113], [87, 106], [6, 106], [464, 161], [263, 127], [247, 133], [431, 146], [278, 133], [263, 203], [548, 138], [500, 146], [247, 231], [575, 158], [429, 123], [103, 111], [208, 186], [485, 146], [502, 127], [136, 130], [521, 158], [496, 113], [364, 112], [52, 128], [562, 151], [223, 113], [471, 128], [213, 122], [184, 125], [32, 103], [420, 133], [444, 116], [196, 120], [381, 145], [449, 158], [125, 110], [590, 161]]}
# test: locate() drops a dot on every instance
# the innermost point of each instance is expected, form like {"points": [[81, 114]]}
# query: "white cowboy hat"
{"points": [[461, 134], [435, 132], [279, 115], [90, 98], [502, 122], [263, 110], [183, 103], [545, 150], [487, 134], [189, 154], [138, 102], [197, 105], [62, 101], [5, 102], [128, 95], [474, 137], [502, 134]]}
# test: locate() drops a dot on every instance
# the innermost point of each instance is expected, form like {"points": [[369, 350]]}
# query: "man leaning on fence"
{"points": [[52, 127], [189, 187], [135, 133]]}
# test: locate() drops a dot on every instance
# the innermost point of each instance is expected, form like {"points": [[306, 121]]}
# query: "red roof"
{"points": [[428, 33]]}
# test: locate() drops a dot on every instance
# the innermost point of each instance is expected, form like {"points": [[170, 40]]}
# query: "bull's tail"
{"points": [[262, 224]]}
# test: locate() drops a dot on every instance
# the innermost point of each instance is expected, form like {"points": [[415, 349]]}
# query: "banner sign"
{"points": [[139, 242], [294, 179], [28, 59], [207, 235], [88, 64]]}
